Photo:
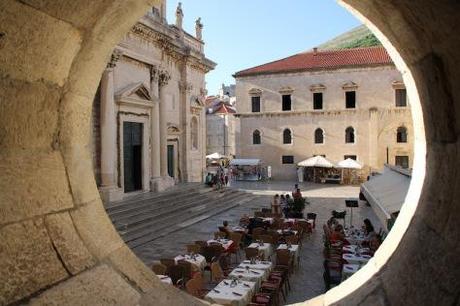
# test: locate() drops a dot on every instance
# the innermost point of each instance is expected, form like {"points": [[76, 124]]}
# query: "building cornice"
{"points": [[322, 112]]}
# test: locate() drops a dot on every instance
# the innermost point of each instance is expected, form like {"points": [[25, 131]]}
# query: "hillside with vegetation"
{"points": [[356, 38]]}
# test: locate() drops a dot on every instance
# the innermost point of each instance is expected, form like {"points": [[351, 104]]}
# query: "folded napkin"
{"points": [[255, 272], [239, 271], [225, 283], [164, 277], [246, 285], [215, 290], [236, 293]]}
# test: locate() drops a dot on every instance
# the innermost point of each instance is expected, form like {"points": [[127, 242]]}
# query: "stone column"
{"points": [[164, 78], [155, 122], [108, 125], [373, 138], [109, 133]]}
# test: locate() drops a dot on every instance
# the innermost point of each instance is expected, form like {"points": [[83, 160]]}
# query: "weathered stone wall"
{"points": [[57, 244], [374, 92]]}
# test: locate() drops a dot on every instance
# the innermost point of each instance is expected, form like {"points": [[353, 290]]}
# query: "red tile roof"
{"points": [[323, 60], [223, 109]]}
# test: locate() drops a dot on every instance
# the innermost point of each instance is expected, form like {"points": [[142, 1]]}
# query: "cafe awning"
{"points": [[349, 164], [245, 162], [386, 192]]}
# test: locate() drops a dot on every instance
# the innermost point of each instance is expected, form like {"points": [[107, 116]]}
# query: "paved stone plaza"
{"points": [[306, 282]]}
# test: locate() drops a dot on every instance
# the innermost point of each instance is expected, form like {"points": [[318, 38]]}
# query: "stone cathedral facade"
{"points": [[149, 126]]}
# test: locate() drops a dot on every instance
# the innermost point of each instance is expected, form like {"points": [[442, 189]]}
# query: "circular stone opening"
{"points": [[55, 234]]}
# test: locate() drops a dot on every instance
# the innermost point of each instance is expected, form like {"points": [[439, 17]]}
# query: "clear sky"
{"points": [[240, 34]]}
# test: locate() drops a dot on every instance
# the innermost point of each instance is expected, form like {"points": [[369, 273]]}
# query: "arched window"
{"points": [[319, 136], [350, 135], [401, 135], [287, 136], [256, 137], [194, 133]]}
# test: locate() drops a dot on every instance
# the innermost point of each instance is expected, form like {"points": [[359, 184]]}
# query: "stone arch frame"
{"points": [[350, 131], [291, 136], [75, 64], [259, 135], [322, 136], [402, 134]]}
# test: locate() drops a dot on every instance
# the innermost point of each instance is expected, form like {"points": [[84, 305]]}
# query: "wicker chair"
{"points": [[194, 248], [251, 253], [159, 269], [267, 239], [176, 273], [168, 262], [258, 231]]}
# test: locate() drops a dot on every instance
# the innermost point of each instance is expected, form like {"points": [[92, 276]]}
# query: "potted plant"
{"points": [[298, 208]]}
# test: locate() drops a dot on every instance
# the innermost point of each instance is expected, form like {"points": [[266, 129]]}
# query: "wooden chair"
{"points": [[201, 243], [312, 216], [235, 248], [194, 288], [194, 248], [159, 269], [168, 262], [220, 234], [267, 239], [217, 272], [259, 214], [176, 273], [258, 231], [284, 258], [188, 269], [251, 253], [292, 239]]}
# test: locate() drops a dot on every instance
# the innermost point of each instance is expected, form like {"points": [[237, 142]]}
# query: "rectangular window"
{"points": [[402, 161], [255, 101], [354, 157], [287, 159], [350, 97], [400, 97], [286, 103], [317, 100]]}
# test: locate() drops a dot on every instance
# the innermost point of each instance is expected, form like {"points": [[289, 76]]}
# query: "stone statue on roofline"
{"points": [[179, 16], [199, 29]]}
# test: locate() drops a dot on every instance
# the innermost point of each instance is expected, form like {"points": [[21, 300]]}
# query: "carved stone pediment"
{"points": [[136, 91], [398, 85], [317, 87], [255, 92], [286, 90], [349, 86], [173, 129], [135, 94]]}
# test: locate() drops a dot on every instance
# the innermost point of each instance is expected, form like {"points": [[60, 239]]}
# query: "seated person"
{"points": [[297, 194], [332, 223], [374, 244], [244, 221], [337, 234], [226, 229], [208, 180]]}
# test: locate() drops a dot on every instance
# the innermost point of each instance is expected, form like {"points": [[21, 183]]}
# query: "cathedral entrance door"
{"points": [[171, 160], [132, 155]]}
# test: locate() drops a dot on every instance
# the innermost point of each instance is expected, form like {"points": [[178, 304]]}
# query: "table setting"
{"points": [[198, 261], [235, 292], [251, 275], [165, 279], [348, 270], [226, 243], [265, 249]]}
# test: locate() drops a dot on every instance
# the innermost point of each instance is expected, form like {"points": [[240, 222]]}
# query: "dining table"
{"points": [[348, 270], [165, 279], [251, 275], [265, 249], [226, 243], [257, 265], [356, 259], [198, 261], [293, 249], [231, 292]]}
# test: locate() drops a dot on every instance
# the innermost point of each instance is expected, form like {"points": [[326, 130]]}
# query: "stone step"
{"points": [[146, 214], [139, 207], [185, 220], [170, 217], [139, 198]]}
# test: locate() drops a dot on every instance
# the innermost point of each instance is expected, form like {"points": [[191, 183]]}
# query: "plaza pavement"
{"points": [[307, 281]]}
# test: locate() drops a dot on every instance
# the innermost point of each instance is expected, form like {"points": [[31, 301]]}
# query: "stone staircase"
{"points": [[146, 217]]}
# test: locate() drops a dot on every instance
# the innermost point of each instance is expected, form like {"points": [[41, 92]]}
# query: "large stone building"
{"points": [[348, 103], [149, 127], [221, 122]]}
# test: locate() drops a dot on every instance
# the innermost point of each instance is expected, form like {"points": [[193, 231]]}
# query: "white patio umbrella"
{"points": [[214, 156], [349, 164], [316, 161]]}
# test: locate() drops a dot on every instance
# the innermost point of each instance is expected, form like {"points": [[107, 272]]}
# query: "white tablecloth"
{"points": [[226, 243], [269, 220], [348, 270], [355, 259], [223, 293], [260, 265], [198, 263], [165, 279], [352, 248], [266, 249], [251, 275], [286, 232], [294, 249]]}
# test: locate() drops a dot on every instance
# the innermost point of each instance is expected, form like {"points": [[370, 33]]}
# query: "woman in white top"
{"points": [[276, 204]]}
